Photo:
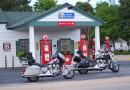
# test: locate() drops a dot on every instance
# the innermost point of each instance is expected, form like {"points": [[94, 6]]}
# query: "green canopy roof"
{"points": [[2, 17]]}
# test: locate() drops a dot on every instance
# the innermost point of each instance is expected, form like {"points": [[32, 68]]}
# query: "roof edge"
{"points": [[25, 21], [5, 19]]}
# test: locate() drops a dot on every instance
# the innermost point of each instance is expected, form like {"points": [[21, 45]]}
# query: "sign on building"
{"points": [[63, 15], [6, 46]]}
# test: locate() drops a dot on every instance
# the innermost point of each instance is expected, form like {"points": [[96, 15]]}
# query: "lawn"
{"points": [[122, 53]]}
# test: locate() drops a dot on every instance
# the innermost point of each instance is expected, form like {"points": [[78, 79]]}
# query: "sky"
{"points": [[73, 2]]}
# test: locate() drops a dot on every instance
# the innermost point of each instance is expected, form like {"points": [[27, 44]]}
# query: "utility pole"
{"points": [[15, 6], [88, 28]]}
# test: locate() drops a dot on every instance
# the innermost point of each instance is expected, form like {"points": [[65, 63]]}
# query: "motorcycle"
{"points": [[54, 68], [101, 62]]}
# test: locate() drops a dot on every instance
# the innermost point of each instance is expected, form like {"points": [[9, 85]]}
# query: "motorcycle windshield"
{"points": [[110, 54]]}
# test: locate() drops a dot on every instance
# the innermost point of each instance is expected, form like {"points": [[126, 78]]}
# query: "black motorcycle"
{"points": [[101, 62]]}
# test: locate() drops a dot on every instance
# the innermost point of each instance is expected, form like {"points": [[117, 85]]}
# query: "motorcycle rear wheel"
{"points": [[83, 71], [32, 79], [70, 74], [115, 68]]}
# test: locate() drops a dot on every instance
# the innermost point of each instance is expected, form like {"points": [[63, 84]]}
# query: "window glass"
{"points": [[65, 45], [24, 45]]}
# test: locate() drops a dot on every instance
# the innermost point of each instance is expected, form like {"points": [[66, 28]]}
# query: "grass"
{"points": [[122, 53]]}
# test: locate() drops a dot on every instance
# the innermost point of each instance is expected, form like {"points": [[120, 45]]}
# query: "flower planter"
{"points": [[67, 59], [23, 60]]}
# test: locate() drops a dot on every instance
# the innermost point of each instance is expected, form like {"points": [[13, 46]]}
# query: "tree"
{"points": [[110, 15], [84, 7], [9, 5], [124, 20], [43, 5]]}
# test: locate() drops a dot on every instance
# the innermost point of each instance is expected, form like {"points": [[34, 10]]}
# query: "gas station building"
{"points": [[24, 31]]}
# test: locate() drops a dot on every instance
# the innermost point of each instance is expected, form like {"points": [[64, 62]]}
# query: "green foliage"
{"points": [[67, 52], [124, 19], [129, 50], [110, 15], [9, 5], [71, 52], [21, 53], [122, 53], [63, 52], [121, 50], [84, 6], [26, 53], [43, 5]]}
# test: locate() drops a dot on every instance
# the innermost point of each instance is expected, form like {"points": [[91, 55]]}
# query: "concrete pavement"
{"points": [[121, 57], [118, 83]]}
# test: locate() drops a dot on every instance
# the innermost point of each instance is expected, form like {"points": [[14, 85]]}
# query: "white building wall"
{"points": [[12, 36], [117, 45]]}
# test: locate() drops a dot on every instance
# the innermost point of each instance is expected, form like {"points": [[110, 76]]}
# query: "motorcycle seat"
{"points": [[40, 65], [90, 60]]}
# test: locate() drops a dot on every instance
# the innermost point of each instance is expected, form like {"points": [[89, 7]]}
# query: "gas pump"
{"points": [[93, 48], [83, 45], [107, 44], [45, 49]]}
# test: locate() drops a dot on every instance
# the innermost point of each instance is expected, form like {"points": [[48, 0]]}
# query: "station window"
{"points": [[65, 45], [22, 45]]}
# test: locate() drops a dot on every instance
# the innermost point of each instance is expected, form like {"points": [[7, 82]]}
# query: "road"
{"points": [[9, 77]]}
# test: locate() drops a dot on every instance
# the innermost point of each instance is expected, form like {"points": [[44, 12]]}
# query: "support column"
{"points": [[97, 39], [31, 41]]}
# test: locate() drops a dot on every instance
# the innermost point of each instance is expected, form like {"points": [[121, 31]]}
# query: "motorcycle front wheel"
{"points": [[83, 71], [115, 67], [69, 74], [32, 79]]}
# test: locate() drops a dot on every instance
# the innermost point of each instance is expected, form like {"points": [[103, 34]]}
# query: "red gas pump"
{"points": [[93, 48], [45, 49], [83, 45], [107, 44]]}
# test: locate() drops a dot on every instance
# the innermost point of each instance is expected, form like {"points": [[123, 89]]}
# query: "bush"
{"points": [[26, 53], [62, 52], [128, 50], [117, 50], [70, 52], [121, 50]]}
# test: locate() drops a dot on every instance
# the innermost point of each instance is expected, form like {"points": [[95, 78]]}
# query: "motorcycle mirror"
{"points": [[98, 50]]}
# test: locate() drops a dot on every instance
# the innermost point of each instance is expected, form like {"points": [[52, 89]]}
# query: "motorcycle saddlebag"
{"points": [[83, 64]]}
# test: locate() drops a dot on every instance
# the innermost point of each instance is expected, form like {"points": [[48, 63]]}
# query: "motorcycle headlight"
{"points": [[49, 66]]}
